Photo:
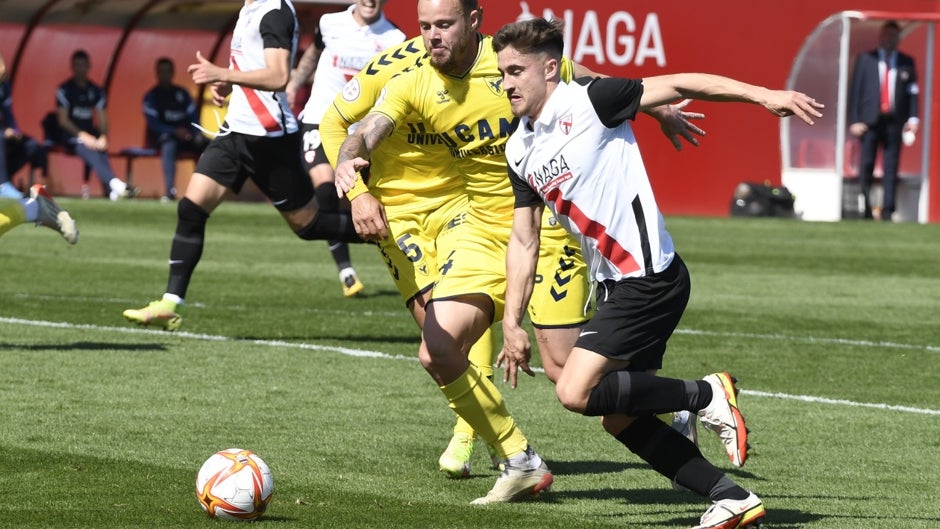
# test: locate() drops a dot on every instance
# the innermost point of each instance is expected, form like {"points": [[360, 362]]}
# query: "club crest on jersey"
{"points": [[495, 84], [564, 123], [443, 96], [352, 90]]}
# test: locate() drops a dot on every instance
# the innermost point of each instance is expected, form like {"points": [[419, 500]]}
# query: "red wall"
{"points": [[45, 63], [751, 41]]}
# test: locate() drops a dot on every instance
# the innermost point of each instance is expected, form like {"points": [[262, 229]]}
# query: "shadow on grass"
{"points": [[84, 346], [576, 468]]}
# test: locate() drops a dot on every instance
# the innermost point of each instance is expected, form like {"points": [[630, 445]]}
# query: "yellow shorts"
{"points": [[561, 293], [417, 239], [478, 266]]}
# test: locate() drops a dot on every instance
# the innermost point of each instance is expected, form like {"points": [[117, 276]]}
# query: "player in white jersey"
{"points": [[574, 151], [259, 140], [343, 44]]}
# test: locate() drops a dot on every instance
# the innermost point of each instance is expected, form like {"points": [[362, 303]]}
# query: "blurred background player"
{"points": [[16, 148], [343, 44], [170, 113], [39, 208], [260, 140], [83, 125]]}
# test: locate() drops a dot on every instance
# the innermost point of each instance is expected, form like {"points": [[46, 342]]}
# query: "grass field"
{"points": [[832, 329]]}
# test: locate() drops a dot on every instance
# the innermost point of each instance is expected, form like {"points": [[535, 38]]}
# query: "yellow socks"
{"points": [[476, 399]]}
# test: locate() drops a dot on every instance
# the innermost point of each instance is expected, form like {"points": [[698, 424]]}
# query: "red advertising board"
{"points": [[751, 41]]}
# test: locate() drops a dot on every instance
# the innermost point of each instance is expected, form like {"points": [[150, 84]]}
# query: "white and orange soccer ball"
{"points": [[234, 484]]}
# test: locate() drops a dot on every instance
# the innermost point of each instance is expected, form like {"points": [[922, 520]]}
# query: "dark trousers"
{"points": [[170, 149], [98, 161], [886, 132], [17, 152]]}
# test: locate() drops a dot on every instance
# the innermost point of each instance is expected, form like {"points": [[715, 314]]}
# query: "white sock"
{"points": [[346, 272], [117, 185], [173, 297], [526, 459], [32, 209]]}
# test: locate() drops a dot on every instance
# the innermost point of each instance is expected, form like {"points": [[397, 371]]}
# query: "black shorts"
{"points": [[273, 164], [636, 316], [314, 154]]}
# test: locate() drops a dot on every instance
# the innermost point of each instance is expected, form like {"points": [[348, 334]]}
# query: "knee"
{"points": [[190, 213], [615, 424], [571, 397], [425, 357]]}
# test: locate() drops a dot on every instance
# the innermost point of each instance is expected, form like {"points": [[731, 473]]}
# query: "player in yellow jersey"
{"points": [[423, 200], [460, 108]]}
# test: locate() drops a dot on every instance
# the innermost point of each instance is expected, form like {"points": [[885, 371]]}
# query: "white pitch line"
{"points": [[361, 353], [811, 339]]}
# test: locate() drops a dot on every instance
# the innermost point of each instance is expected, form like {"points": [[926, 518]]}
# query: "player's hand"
{"points": [[785, 103], [183, 133], [204, 72], [676, 123], [290, 91], [516, 352], [219, 92], [101, 143], [369, 218], [86, 139], [346, 174]]}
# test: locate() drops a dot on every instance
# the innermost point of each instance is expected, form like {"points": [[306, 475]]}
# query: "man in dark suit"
{"points": [[882, 108]]}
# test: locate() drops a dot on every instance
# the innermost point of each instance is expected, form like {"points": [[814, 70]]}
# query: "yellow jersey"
{"points": [[404, 169], [467, 117]]}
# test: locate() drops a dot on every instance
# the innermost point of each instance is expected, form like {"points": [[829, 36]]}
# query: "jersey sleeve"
{"points": [[614, 99], [525, 195], [62, 98], [152, 115], [567, 70], [395, 100], [277, 29], [102, 99]]}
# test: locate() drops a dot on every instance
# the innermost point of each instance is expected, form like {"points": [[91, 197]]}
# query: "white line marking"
{"points": [[841, 402], [361, 353], [810, 339]]}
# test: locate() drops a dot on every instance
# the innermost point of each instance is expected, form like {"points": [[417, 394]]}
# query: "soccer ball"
{"points": [[234, 484]]}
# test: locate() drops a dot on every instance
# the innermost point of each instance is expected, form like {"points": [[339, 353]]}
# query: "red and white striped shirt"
{"points": [[261, 24], [581, 158]]}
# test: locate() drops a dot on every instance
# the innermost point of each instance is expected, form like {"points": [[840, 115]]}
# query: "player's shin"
{"points": [[476, 399]]}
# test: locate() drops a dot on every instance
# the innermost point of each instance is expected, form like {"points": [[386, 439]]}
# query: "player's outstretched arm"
{"points": [[707, 87]]}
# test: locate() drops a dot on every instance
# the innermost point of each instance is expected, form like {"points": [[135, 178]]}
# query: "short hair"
{"points": [[891, 24], [535, 35], [469, 5], [79, 54], [164, 61]]}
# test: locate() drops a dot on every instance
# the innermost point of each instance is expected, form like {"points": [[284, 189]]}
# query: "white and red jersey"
{"points": [[261, 24], [581, 158], [345, 48]]}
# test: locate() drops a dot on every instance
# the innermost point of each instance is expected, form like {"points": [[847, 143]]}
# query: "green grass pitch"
{"points": [[832, 329]]}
